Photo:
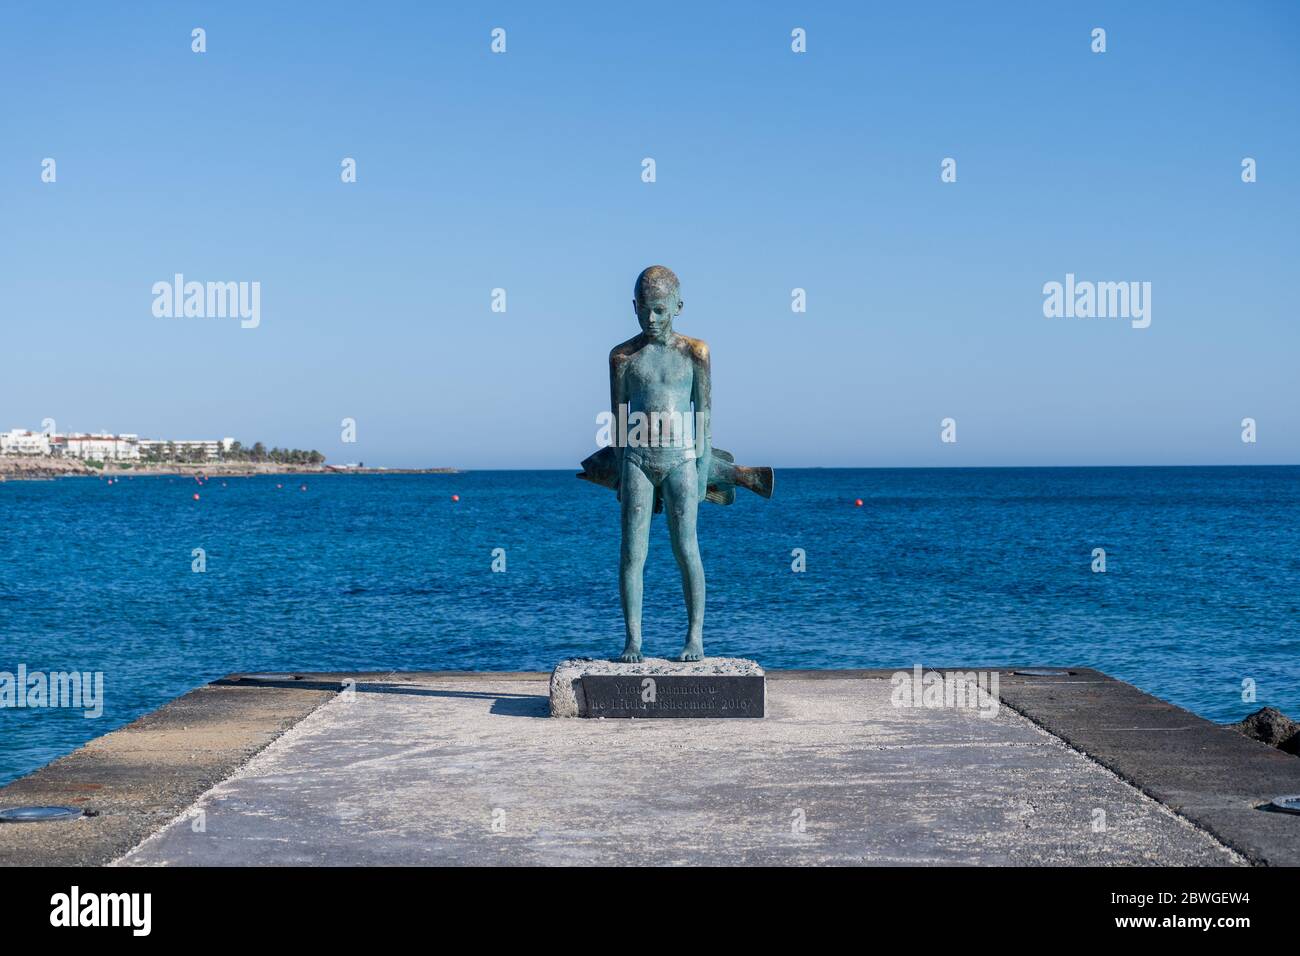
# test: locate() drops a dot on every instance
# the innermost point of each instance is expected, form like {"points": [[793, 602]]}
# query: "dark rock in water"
{"points": [[1270, 726]]}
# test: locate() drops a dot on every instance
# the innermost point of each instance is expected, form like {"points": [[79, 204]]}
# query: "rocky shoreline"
{"points": [[14, 468], [29, 468], [1270, 726]]}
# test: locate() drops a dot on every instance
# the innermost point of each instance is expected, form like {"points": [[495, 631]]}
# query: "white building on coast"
{"points": [[104, 446], [98, 447], [19, 441], [211, 448]]}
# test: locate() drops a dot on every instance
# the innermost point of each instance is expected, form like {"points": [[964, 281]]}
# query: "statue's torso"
{"points": [[659, 379]]}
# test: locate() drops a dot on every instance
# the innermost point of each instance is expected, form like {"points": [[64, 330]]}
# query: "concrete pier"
{"points": [[456, 768]]}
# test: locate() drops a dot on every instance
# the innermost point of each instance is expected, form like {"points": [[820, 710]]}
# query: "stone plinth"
{"points": [[713, 687]]}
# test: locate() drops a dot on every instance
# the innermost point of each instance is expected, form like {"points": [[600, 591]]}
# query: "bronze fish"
{"points": [[724, 476]]}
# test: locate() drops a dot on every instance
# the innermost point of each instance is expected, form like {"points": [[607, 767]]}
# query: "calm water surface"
{"points": [[943, 567]]}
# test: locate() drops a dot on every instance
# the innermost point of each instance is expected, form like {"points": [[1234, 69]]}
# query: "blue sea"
{"points": [[938, 566]]}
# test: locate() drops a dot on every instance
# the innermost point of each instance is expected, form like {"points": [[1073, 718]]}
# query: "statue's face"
{"points": [[656, 316]]}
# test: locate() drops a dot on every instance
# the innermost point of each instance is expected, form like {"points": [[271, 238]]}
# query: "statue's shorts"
{"points": [[657, 462]]}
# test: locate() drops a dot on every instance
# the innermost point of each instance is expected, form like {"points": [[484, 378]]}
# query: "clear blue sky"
{"points": [[775, 171]]}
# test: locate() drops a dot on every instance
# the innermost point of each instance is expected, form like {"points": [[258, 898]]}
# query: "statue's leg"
{"points": [[636, 494], [681, 502]]}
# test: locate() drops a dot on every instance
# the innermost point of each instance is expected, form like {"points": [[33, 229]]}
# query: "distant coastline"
{"points": [[40, 468]]}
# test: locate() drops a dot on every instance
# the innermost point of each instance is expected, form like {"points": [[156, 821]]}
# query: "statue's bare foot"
{"points": [[693, 651], [631, 653]]}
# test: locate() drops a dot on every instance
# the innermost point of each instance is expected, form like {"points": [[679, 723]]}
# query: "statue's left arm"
{"points": [[702, 399]]}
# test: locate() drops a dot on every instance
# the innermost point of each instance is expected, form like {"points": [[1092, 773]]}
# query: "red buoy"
{"points": [[455, 497], [196, 496], [858, 503]]}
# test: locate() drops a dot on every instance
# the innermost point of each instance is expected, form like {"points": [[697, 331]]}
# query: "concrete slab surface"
{"points": [[469, 769], [1210, 774], [139, 777]]}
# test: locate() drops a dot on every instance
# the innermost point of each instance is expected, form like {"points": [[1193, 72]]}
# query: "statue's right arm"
{"points": [[617, 397]]}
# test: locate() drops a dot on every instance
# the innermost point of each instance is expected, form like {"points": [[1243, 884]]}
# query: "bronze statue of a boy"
{"points": [[659, 381]]}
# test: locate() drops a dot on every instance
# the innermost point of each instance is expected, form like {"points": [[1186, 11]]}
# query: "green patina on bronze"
{"points": [[663, 376]]}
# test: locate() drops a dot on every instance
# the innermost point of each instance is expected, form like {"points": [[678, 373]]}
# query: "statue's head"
{"points": [[657, 301]]}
